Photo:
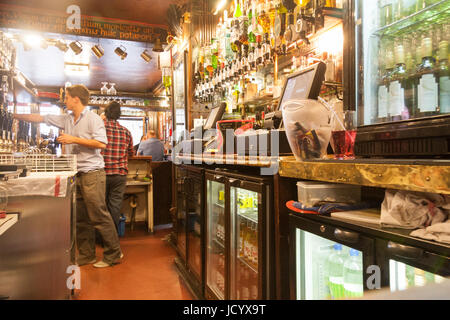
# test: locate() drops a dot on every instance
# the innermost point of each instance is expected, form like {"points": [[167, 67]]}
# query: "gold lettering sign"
{"points": [[32, 19]]}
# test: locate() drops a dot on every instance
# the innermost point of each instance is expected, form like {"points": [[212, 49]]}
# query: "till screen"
{"points": [[298, 87]]}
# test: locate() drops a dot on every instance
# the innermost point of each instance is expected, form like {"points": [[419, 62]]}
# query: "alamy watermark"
{"points": [[262, 149], [74, 20]]}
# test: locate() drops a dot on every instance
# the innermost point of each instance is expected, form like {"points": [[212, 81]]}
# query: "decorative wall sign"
{"points": [[18, 17]]}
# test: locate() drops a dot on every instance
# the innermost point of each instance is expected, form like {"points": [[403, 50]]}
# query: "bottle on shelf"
{"points": [[242, 236], [444, 78], [385, 12], [336, 269], [383, 85], [399, 85], [353, 275], [427, 87], [247, 242], [254, 245]]}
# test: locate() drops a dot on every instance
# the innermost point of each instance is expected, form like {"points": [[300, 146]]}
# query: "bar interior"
{"points": [[300, 148]]}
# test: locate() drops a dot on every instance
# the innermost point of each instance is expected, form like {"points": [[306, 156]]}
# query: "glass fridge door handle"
{"points": [[403, 251], [346, 236]]}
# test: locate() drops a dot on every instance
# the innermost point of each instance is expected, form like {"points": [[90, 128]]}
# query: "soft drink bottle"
{"points": [[353, 275], [336, 269]]}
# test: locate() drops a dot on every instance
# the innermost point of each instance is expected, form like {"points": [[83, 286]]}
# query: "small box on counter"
{"points": [[311, 193]]}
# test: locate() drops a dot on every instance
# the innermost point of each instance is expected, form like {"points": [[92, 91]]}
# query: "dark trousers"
{"points": [[115, 189], [92, 215]]}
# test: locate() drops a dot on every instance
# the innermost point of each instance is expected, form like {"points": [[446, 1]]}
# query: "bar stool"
{"points": [[132, 194]]}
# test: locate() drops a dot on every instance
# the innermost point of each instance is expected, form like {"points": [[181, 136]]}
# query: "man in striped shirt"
{"points": [[116, 153]]}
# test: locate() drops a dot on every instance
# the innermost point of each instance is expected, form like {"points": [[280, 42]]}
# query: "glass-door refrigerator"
{"points": [[327, 261], [404, 266], [238, 236], [401, 91], [190, 225]]}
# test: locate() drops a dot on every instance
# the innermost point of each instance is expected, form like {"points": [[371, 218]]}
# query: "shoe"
{"points": [[102, 264], [88, 262]]}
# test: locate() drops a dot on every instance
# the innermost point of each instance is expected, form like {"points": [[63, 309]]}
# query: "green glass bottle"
{"points": [[386, 12], [383, 88], [444, 78], [427, 88], [397, 86]]}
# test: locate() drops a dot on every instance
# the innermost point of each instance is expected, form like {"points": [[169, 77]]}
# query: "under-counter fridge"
{"points": [[335, 259], [189, 225], [239, 236], [398, 76]]}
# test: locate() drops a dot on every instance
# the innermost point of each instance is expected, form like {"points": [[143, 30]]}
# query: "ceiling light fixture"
{"points": [[98, 51], [76, 47], [146, 56], [121, 52], [219, 7], [61, 45], [158, 47]]}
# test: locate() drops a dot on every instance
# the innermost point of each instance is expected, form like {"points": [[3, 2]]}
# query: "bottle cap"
{"points": [[354, 253], [337, 246]]}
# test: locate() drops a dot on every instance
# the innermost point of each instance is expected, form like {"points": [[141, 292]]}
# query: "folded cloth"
{"points": [[412, 210], [328, 208], [438, 232]]}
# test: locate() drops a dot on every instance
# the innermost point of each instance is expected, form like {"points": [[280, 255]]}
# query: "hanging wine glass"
{"points": [[104, 89], [112, 91]]}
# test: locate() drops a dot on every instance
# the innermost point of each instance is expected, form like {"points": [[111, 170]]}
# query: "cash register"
{"points": [[304, 84], [203, 137]]}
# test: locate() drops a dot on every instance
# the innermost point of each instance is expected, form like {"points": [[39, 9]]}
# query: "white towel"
{"points": [[438, 232], [411, 210]]}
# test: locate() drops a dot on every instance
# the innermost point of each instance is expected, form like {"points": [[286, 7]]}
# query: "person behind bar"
{"points": [[85, 136], [116, 153], [152, 147]]}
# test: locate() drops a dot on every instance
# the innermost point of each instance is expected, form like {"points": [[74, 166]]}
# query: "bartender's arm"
{"points": [[90, 143], [29, 117]]}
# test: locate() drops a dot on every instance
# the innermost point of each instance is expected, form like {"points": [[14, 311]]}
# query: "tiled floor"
{"points": [[147, 272]]}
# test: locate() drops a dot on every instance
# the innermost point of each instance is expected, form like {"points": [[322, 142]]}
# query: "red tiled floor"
{"points": [[147, 272]]}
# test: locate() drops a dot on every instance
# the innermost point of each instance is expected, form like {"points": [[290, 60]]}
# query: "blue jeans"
{"points": [[115, 188]]}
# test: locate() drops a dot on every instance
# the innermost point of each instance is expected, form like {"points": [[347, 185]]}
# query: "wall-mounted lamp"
{"points": [[121, 52], [76, 47], [158, 47], [146, 56], [98, 51]]}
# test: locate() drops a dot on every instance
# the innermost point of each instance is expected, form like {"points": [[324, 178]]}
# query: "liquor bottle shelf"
{"points": [[440, 9], [149, 108], [219, 205], [245, 216], [218, 242], [136, 95], [247, 264]]}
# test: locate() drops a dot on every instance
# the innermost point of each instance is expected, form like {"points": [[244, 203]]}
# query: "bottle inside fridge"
{"points": [[326, 269], [403, 276], [403, 54]]}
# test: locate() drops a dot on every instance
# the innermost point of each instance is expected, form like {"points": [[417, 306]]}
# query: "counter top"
{"points": [[231, 159], [415, 175]]}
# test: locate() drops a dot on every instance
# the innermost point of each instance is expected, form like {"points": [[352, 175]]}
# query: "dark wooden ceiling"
{"points": [[45, 67]]}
